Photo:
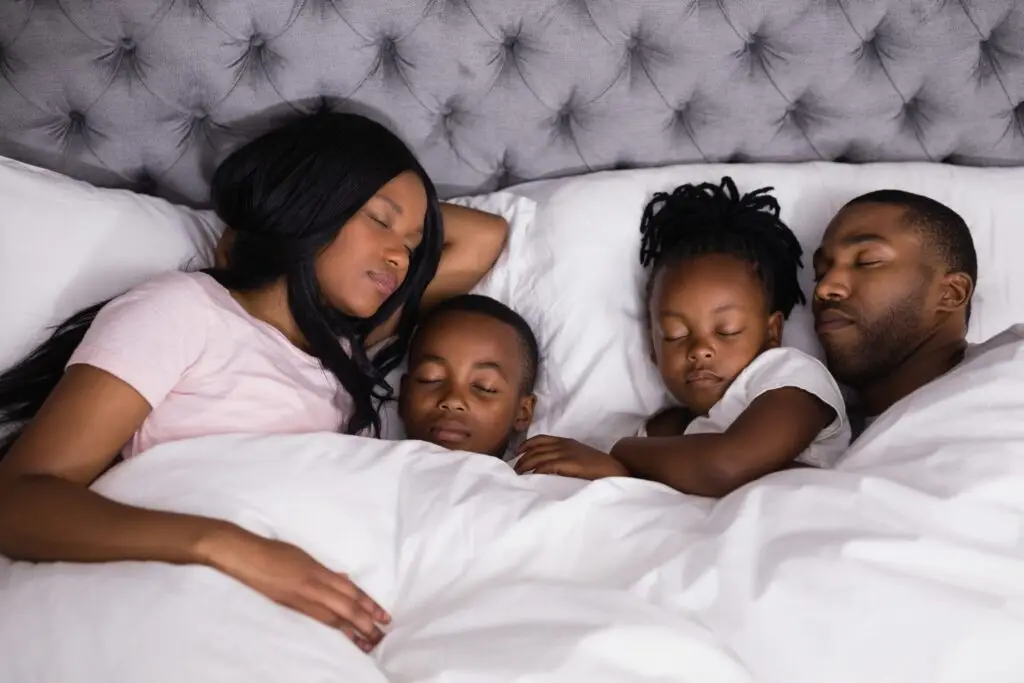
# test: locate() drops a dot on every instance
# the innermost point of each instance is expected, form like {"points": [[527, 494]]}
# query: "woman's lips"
{"points": [[386, 283]]}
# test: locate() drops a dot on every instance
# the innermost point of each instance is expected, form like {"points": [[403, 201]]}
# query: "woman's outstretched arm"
{"points": [[48, 513]]}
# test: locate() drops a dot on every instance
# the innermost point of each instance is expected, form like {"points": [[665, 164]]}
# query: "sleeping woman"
{"points": [[337, 243]]}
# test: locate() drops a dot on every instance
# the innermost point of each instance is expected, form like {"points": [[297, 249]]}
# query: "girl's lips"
{"points": [[702, 377]]}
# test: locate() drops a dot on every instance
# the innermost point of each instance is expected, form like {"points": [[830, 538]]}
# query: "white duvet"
{"points": [[905, 564]]}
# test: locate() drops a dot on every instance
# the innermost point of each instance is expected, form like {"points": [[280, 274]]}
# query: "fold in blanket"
{"points": [[904, 564]]}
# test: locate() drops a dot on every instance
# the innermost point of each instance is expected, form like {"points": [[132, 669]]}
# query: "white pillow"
{"points": [[579, 280], [65, 245]]}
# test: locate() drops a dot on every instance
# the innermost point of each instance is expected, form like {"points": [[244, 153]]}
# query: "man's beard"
{"points": [[883, 344]]}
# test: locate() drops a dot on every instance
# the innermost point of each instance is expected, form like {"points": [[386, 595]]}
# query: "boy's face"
{"points": [[464, 389]]}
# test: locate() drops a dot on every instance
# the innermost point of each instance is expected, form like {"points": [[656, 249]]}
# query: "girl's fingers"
{"points": [[539, 440], [531, 461]]}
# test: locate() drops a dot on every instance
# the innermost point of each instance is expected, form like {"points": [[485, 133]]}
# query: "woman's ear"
{"points": [[773, 337], [223, 248], [524, 412], [957, 289]]}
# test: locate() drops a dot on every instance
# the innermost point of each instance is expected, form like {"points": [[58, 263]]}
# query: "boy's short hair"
{"points": [[492, 308]]}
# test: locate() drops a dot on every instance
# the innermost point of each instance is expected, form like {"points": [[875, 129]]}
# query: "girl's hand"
{"points": [[569, 458], [290, 577]]}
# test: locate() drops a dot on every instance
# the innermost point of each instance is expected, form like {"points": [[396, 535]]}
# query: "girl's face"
{"points": [[369, 258], [709, 320]]}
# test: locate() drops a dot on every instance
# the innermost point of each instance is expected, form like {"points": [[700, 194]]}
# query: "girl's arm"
{"points": [[473, 240], [775, 428], [48, 513]]}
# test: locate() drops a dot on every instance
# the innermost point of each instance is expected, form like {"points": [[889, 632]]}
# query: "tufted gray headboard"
{"points": [[150, 93]]}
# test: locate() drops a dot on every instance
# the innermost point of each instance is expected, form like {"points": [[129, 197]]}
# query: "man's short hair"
{"points": [[944, 228]]}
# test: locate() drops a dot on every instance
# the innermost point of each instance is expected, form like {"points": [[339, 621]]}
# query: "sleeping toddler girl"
{"points": [[723, 278]]}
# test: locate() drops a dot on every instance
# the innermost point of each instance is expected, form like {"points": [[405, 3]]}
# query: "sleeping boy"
{"points": [[469, 387]]}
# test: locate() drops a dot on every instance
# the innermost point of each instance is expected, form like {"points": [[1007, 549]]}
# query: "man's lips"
{"points": [[831, 320], [386, 283]]}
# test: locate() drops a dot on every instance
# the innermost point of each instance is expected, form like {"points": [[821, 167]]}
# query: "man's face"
{"points": [[877, 292], [464, 388]]}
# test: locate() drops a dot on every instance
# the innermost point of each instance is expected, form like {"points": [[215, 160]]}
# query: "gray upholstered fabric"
{"points": [[151, 92]]}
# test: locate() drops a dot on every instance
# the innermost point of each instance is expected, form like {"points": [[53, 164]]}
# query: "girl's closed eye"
{"points": [[485, 389], [428, 379]]}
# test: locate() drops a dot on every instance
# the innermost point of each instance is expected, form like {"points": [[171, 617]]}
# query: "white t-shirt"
{"points": [[775, 369]]}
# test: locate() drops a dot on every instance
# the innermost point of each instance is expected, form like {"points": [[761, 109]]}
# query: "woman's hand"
{"points": [[569, 458], [290, 577]]}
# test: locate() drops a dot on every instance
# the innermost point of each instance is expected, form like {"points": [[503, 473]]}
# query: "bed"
{"points": [[903, 565]]}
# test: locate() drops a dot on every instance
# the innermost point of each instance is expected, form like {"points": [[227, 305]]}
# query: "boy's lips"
{"points": [[448, 430]]}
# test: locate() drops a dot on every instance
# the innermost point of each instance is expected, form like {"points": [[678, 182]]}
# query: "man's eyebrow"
{"points": [[851, 241], [863, 238]]}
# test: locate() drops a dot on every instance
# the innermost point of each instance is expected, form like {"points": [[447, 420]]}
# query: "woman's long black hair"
{"points": [[694, 220], [286, 195]]}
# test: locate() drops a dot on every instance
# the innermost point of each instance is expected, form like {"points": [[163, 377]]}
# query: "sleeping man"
{"points": [[895, 274], [472, 366]]}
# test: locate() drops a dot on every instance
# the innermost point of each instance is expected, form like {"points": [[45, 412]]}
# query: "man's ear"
{"points": [[956, 292], [773, 337], [223, 248], [524, 412]]}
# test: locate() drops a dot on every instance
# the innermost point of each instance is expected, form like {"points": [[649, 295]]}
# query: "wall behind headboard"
{"points": [[150, 94]]}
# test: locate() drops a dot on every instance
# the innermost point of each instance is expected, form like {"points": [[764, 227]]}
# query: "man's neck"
{"points": [[937, 355]]}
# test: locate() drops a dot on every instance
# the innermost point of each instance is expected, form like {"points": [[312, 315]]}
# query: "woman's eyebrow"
{"points": [[394, 205]]}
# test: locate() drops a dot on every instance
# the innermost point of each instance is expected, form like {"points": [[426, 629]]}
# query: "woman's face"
{"points": [[369, 258]]}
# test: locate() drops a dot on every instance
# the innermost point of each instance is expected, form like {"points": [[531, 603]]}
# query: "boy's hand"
{"points": [[554, 455]]}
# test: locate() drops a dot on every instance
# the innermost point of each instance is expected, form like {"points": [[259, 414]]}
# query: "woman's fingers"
{"points": [[344, 585], [316, 610], [347, 609]]}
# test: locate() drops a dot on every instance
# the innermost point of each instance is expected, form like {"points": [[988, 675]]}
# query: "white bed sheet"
{"points": [[906, 564]]}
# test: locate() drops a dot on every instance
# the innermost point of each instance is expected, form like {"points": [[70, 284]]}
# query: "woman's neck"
{"points": [[270, 305]]}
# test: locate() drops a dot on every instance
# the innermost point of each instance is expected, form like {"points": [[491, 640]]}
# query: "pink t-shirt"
{"points": [[208, 367]]}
